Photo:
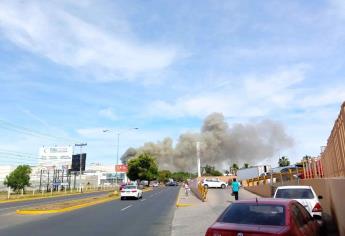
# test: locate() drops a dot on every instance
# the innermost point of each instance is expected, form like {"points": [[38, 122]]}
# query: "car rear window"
{"points": [[254, 214], [130, 187], [295, 193]]}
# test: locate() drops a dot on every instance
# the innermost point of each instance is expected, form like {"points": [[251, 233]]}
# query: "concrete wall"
{"points": [[333, 156], [331, 189]]}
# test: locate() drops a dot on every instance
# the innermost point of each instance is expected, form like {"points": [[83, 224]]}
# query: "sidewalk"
{"points": [[193, 217]]}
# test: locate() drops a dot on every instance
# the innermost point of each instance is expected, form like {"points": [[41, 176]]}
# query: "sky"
{"points": [[70, 69]]}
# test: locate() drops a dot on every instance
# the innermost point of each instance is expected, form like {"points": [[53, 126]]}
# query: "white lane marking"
{"points": [[142, 200], [126, 207], [7, 214]]}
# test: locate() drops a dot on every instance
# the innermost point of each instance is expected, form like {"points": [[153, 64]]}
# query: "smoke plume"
{"points": [[220, 145]]}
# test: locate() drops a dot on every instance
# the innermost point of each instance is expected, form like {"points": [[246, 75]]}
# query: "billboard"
{"points": [[121, 168], [76, 162], [56, 157]]}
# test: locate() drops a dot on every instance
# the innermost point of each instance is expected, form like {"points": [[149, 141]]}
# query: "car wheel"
{"points": [[223, 185], [205, 186], [122, 198]]}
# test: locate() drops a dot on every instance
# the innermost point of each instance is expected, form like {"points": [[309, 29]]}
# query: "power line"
{"points": [[13, 127]]}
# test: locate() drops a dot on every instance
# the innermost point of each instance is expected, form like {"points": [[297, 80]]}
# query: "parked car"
{"points": [[213, 183], [154, 184], [131, 191], [304, 195], [265, 217]]}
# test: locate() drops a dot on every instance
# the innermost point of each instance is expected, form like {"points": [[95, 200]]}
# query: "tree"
{"points": [[227, 172], [181, 176], [164, 175], [234, 168], [245, 165], [19, 178], [144, 167], [283, 161], [211, 171]]}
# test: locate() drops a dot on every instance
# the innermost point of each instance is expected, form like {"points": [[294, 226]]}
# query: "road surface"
{"points": [[151, 215]]}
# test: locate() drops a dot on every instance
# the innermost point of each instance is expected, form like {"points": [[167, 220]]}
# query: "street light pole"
{"points": [[117, 155], [117, 148]]}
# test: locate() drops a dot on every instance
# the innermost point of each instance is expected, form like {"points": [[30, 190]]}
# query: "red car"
{"points": [[264, 217]]}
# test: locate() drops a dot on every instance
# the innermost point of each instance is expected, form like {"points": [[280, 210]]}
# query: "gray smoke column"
{"points": [[221, 145]]}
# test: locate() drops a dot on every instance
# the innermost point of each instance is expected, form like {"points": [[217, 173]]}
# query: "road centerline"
{"points": [[123, 209]]}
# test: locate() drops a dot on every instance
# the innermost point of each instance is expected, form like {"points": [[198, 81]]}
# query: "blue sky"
{"points": [[73, 68]]}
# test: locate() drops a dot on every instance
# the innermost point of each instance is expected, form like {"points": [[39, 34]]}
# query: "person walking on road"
{"points": [[235, 188]]}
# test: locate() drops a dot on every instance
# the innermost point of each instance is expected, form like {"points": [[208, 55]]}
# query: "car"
{"points": [[265, 217], [304, 195], [171, 183], [155, 184], [214, 183], [122, 186], [131, 191]]}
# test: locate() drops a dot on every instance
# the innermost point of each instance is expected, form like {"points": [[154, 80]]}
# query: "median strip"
{"points": [[66, 205]]}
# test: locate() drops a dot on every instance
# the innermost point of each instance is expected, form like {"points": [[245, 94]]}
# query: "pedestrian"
{"points": [[186, 188], [235, 188]]}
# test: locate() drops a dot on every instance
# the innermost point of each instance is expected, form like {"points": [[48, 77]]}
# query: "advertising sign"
{"points": [[121, 168]]}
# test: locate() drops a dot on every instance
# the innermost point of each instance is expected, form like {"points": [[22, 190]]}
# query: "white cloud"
{"points": [[50, 31], [108, 113], [256, 95]]}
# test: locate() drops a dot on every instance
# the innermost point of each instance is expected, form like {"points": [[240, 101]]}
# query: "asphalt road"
{"points": [[151, 215]]}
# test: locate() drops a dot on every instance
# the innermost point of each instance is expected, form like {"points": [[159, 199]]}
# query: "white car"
{"points": [[304, 195], [214, 183], [131, 191]]}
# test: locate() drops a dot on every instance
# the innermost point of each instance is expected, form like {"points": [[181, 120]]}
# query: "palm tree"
{"points": [[283, 161]]}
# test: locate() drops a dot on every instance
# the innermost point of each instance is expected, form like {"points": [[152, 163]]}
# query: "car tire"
{"points": [[206, 186], [122, 198], [223, 186]]}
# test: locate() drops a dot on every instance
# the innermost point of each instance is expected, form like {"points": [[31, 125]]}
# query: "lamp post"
{"points": [[118, 145]]}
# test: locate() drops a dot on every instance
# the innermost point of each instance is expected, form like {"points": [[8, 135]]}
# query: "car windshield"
{"points": [[254, 214], [295, 193]]}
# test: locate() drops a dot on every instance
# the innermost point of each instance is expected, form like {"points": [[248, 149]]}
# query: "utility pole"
{"points": [[81, 145], [198, 158]]}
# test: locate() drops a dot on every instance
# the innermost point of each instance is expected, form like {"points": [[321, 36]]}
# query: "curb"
{"points": [[40, 198], [183, 205], [72, 208], [178, 204]]}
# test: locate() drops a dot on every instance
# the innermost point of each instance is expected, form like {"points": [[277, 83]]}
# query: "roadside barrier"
{"points": [[198, 189]]}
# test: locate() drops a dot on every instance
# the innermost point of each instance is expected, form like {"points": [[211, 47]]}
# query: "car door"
{"points": [[312, 225], [301, 226]]}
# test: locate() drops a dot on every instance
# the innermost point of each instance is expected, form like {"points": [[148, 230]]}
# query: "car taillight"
{"points": [[317, 208], [134, 191], [212, 232]]}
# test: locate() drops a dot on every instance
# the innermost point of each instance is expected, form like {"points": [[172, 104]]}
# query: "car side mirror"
{"points": [[319, 197]]}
